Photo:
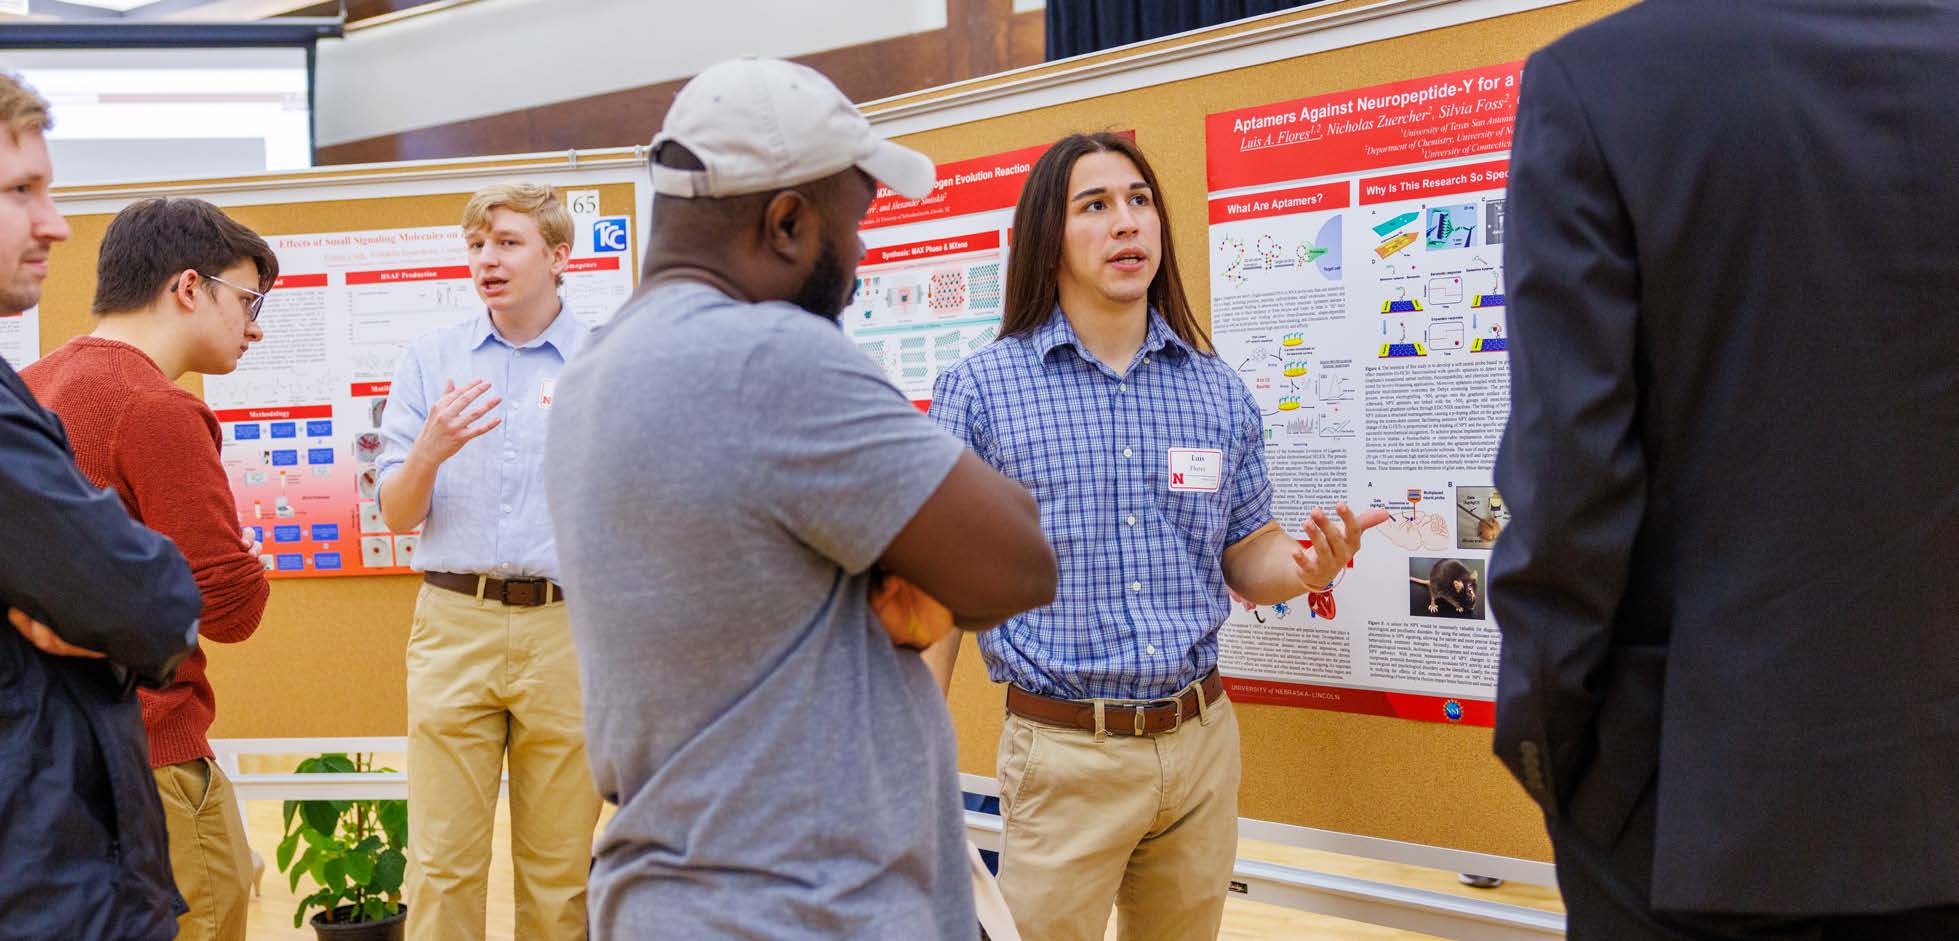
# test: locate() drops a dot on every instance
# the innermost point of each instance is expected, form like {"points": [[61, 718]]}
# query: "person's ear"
{"points": [[183, 289], [560, 258], [789, 223]]}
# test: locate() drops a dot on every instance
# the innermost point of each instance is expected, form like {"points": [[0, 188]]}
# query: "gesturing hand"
{"points": [[450, 419], [1332, 548], [44, 639]]}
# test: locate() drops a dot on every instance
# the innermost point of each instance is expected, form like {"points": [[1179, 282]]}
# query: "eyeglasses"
{"points": [[253, 299]]}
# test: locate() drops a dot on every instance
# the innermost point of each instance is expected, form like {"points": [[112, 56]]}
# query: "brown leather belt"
{"points": [[1119, 717], [520, 592]]}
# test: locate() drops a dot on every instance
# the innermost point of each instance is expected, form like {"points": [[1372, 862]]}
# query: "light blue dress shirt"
{"points": [[487, 514]]}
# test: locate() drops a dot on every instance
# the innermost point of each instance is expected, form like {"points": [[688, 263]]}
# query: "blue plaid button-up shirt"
{"points": [[1142, 593]]}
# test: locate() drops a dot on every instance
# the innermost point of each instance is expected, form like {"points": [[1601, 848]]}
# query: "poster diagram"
{"points": [[1357, 288], [931, 288], [921, 307], [301, 415], [1239, 261]]}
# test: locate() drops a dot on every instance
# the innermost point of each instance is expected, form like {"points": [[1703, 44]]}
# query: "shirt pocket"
{"points": [[1197, 515]]}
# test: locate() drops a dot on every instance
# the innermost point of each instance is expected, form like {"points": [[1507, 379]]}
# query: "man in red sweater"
{"points": [[178, 288]]}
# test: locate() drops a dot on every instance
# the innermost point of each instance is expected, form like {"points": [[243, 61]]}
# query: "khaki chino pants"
{"points": [[1148, 824], [486, 680], [209, 857]]}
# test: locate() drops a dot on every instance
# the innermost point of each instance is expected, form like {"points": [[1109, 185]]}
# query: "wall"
{"points": [[503, 55], [972, 38]]}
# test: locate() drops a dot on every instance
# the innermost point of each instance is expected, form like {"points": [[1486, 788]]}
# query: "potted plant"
{"points": [[353, 851]]}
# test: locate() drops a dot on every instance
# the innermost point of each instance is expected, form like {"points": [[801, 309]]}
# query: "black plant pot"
{"points": [[391, 928]]}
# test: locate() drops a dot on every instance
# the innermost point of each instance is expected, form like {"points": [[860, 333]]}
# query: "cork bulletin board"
{"points": [[328, 659], [1417, 782]]}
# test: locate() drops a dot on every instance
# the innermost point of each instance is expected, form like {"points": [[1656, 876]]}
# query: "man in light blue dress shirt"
{"points": [[491, 667]]}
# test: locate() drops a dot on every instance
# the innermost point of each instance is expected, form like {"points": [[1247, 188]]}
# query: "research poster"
{"points": [[301, 415], [20, 337], [1357, 287], [931, 286]]}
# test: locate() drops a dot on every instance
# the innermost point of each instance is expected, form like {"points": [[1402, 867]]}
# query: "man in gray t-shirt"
{"points": [[728, 474]]}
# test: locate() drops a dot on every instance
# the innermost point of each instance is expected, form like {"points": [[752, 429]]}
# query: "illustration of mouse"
{"points": [[1450, 581]]}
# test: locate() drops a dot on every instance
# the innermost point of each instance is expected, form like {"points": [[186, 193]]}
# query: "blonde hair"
{"points": [[22, 109], [531, 199]]}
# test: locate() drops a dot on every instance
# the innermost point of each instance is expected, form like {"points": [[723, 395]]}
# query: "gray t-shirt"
{"points": [[721, 475]]}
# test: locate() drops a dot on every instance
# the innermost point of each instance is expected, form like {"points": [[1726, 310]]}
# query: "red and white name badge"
{"points": [[545, 391], [1199, 470]]}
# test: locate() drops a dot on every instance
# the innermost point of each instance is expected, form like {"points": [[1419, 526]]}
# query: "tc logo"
{"points": [[609, 235]]}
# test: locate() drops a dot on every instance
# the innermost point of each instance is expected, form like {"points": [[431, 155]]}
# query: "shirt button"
{"points": [[1128, 453], [1135, 586], [1149, 648], [1131, 520], [506, 508], [1146, 360], [1122, 387]]}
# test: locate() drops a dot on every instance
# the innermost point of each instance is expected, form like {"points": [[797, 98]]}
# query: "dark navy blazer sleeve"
{"points": [[71, 558], [1572, 465]]}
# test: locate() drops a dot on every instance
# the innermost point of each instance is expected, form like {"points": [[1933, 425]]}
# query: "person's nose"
{"points": [[1127, 222], [49, 224]]}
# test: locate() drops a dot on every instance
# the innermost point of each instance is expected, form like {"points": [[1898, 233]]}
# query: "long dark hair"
{"points": [[1040, 221]]}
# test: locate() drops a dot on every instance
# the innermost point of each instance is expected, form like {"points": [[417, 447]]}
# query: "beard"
{"points": [[23, 292], [828, 288]]}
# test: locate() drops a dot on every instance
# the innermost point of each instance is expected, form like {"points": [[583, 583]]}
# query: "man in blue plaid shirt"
{"points": [[1119, 763]]}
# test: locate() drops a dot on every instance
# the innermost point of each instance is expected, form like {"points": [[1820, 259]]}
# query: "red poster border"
{"points": [[1480, 713]]}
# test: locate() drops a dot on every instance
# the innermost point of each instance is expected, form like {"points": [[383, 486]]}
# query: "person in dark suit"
{"points": [[1730, 586], [95, 605]]}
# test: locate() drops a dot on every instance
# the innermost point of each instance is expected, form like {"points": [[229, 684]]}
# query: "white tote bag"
{"points": [[993, 914]]}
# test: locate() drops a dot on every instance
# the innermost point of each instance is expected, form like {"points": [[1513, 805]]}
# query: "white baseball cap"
{"points": [[765, 124]]}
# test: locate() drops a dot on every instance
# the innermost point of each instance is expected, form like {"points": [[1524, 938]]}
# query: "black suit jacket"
{"points": [[85, 854], [1733, 452]]}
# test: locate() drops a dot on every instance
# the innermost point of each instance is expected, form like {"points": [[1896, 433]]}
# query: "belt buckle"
{"points": [[532, 591], [1172, 701]]}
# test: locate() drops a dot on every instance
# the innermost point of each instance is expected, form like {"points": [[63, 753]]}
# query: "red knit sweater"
{"points": [[157, 447]]}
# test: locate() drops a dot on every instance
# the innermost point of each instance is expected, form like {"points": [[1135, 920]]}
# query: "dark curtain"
{"points": [[1080, 26]]}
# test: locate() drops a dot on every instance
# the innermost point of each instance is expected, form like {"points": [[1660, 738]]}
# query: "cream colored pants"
{"points": [[486, 680], [209, 857], [1146, 824]]}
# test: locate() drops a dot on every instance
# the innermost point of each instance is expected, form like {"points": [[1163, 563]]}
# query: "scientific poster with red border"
{"points": [[1356, 246], [301, 415], [932, 284]]}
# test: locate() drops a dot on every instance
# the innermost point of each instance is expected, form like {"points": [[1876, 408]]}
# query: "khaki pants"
{"points": [[485, 679], [1148, 824], [208, 853]]}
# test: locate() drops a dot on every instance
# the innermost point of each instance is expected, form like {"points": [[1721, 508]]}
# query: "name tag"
{"points": [[1196, 469], [545, 391]]}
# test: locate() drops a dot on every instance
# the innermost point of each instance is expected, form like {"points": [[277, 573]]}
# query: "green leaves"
{"points": [[352, 849], [394, 821], [337, 763], [389, 869], [360, 868]]}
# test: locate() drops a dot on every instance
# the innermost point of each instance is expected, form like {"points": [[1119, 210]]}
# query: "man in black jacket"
{"points": [[96, 605], [1730, 669]]}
